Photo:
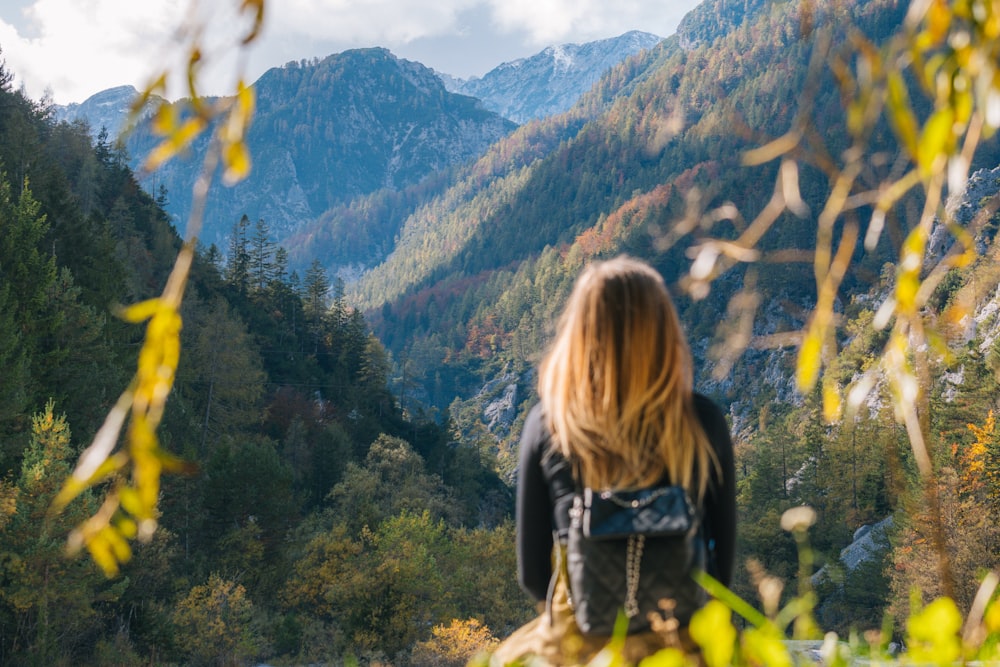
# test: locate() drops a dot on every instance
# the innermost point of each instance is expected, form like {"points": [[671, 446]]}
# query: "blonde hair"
{"points": [[616, 384]]}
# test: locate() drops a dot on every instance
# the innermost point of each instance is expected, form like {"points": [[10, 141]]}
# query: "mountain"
{"points": [[370, 505], [551, 81], [480, 264], [325, 132], [359, 130], [107, 109]]}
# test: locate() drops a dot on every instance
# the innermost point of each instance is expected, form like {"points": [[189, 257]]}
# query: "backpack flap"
{"points": [[655, 512]]}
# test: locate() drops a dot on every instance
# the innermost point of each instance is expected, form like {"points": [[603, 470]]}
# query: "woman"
{"points": [[616, 400]]}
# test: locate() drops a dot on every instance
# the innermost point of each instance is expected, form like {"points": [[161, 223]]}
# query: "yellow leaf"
{"points": [[100, 551], [70, 490], [963, 104], [237, 163], [120, 549], [933, 632], [246, 102], [178, 139], [765, 648], [907, 286], [712, 629], [140, 312], [936, 140], [126, 527], [668, 657], [992, 618], [74, 486], [832, 404], [175, 464], [130, 502], [164, 121], [938, 20], [808, 366], [900, 113]]}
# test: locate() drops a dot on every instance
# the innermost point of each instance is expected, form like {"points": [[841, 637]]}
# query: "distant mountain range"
{"points": [[549, 82], [329, 131]]}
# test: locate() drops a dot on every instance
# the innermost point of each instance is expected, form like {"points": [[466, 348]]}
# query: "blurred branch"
{"points": [[949, 54], [129, 509]]}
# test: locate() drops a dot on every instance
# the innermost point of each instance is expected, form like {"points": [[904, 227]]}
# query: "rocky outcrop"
{"points": [[500, 398]]}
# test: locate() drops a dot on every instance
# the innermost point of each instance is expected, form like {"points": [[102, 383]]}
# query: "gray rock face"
{"points": [[552, 81], [868, 540], [867, 544], [108, 109], [500, 413]]}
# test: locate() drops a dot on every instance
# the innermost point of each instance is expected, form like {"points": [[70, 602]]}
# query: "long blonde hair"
{"points": [[616, 384]]}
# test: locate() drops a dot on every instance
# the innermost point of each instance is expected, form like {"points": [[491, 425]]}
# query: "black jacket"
{"points": [[545, 492]]}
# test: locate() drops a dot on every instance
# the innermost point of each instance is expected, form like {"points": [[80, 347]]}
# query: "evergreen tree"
{"points": [[261, 259], [27, 269], [280, 265], [13, 363], [221, 374], [317, 289], [238, 261]]}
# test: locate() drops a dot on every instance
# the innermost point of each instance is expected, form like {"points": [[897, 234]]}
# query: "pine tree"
{"points": [[13, 361], [238, 262], [26, 268], [317, 289], [261, 257]]}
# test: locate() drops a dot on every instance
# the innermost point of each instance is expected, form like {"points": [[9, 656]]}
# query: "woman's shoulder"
{"points": [[706, 407], [535, 432], [712, 419]]}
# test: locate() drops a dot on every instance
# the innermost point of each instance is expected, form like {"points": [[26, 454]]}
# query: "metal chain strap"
{"points": [[609, 495], [633, 565]]}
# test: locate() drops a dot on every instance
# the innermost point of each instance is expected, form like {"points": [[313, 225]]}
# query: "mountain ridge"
{"points": [[550, 81], [324, 132], [370, 122]]}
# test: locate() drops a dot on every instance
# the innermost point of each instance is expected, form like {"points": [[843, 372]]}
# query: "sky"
{"points": [[71, 49]]}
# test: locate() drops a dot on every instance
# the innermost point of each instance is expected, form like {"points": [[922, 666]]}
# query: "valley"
{"points": [[366, 312]]}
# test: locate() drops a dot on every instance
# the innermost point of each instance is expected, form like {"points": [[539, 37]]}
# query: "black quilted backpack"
{"points": [[633, 553]]}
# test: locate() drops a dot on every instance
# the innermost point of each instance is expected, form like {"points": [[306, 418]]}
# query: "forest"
{"points": [[317, 519], [341, 496]]}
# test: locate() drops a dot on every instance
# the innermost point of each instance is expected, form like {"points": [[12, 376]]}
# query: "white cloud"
{"points": [[554, 21], [368, 22], [71, 46], [75, 48]]}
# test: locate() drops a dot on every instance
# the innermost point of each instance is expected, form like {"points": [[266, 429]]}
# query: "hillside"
{"points": [[476, 263], [281, 409]]}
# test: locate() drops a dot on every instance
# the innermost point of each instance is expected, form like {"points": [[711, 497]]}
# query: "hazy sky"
{"points": [[75, 48]]}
